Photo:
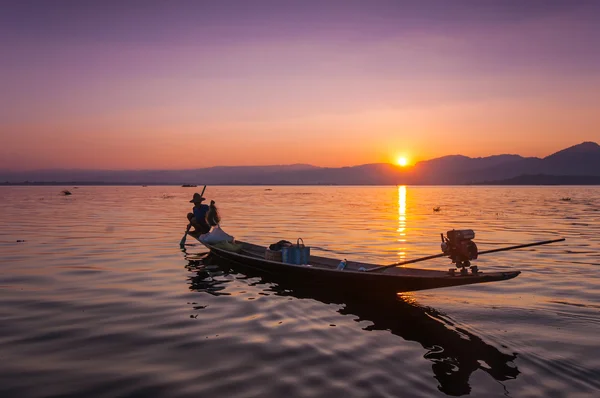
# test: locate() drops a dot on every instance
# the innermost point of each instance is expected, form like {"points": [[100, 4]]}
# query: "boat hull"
{"points": [[367, 283]]}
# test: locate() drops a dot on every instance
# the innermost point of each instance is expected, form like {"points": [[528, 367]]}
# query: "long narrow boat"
{"points": [[323, 272]]}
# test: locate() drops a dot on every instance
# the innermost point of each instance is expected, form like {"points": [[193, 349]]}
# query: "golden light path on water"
{"points": [[402, 222]]}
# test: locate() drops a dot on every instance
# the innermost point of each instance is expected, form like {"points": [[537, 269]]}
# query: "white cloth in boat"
{"points": [[216, 235]]}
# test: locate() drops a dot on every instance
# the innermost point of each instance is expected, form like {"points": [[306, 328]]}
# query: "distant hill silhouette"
{"points": [[543, 179], [573, 165]]}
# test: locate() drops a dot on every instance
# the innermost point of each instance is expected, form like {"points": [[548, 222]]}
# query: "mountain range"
{"points": [[579, 164]]}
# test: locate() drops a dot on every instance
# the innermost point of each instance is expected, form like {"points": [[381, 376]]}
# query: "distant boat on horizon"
{"points": [[189, 186]]}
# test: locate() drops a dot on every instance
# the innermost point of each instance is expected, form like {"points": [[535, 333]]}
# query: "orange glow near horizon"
{"points": [[362, 138]]}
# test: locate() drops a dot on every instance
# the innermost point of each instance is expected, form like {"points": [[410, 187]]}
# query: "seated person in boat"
{"points": [[212, 217], [197, 217]]}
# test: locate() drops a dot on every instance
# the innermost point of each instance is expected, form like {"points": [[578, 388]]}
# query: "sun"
{"points": [[402, 161]]}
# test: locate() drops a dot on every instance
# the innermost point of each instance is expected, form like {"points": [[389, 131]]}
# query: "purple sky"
{"points": [[173, 84]]}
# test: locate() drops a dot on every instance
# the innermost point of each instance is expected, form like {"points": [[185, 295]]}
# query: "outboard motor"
{"points": [[459, 246]]}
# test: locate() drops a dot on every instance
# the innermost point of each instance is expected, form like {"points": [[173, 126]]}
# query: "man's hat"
{"points": [[197, 198]]}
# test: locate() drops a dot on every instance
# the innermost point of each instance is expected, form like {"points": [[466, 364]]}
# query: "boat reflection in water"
{"points": [[454, 352]]}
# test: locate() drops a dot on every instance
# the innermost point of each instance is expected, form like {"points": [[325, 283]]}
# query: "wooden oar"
{"points": [[182, 241], [521, 246], [416, 260], [185, 234]]}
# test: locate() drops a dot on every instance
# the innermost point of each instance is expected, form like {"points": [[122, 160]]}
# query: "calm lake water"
{"points": [[99, 301]]}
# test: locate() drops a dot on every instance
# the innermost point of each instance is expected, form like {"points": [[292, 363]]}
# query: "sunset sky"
{"points": [[184, 84]]}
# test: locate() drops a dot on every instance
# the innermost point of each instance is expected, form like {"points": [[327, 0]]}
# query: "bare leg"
{"points": [[199, 228]]}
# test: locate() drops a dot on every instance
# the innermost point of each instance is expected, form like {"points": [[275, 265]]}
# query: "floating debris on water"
{"points": [[66, 193], [20, 240], [566, 199]]}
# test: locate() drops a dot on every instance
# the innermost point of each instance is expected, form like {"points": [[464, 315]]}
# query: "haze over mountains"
{"points": [[579, 164]]}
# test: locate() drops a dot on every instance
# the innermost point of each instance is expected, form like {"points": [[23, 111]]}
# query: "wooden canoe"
{"points": [[323, 272]]}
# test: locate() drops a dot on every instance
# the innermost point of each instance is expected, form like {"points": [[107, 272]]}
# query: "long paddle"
{"points": [[416, 260], [521, 246], [185, 234]]}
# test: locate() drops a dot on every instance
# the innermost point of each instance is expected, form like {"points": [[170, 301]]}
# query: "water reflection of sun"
{"points": [[402, 222], [407, 297]]}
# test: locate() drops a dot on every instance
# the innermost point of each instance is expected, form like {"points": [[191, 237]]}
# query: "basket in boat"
{"points": [[296, 254], [273, 255]]}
